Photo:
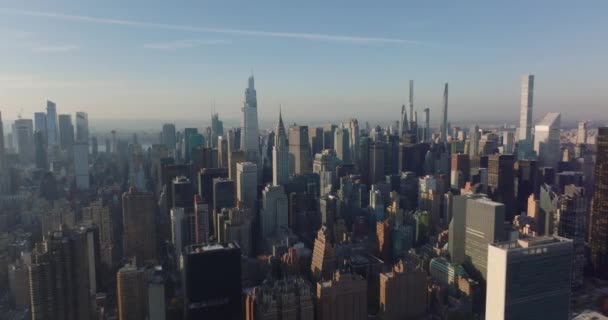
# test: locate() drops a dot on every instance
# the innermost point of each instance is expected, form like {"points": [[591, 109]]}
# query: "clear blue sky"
{"points": [[172, 59]]}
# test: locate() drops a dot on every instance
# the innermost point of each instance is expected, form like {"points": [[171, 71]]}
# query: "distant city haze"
{"points": [[319, 61]]}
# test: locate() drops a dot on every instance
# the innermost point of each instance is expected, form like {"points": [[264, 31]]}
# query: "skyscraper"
{"points": [[217, 129], [212, 282], [323, 261], [66, 132], [274, 213], [51, 123], [249, 124], [280, 155], [581, 134], [23, 131], [598, 237], [40, 146], [299, 150], [82, 127], [501, 181], [412, 105], [81, 165], [139, 225], [342, 144], [40, 123], [131, 293], [353, 132], [169, 136], [287, 299], [476, 222], [444, 122], [529, 278], [247, 184], [427, 126], [524, 147], [403, 124], [547, 140], [1, 144]]}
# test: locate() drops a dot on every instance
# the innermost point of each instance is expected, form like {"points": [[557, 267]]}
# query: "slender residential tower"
{"points": [[412, 100], [444, 121], [51, 123], [280, 155], [427, 125], [249, 131], [524, 147], [403, 125]]}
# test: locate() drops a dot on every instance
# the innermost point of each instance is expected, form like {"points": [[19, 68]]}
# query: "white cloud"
{"points": [[183, 44], [236, 32], [56, 48]]}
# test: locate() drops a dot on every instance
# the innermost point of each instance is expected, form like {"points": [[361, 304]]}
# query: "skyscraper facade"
{"points": [[525, 117], [212, 282], [82, 127], [66, 132], [444, 121], [547, 140], [40, 123], [529, 278], [299, 150], [139, 225], [280, 155], [51, 123], [581, 133], [249, 132], [598, 237], [342, 297], [81, 165], [169, 136], [23, 131], [247, 184], [274, 213], [131, 293]]}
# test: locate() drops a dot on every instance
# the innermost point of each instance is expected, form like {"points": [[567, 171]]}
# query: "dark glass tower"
{"points": [[599, 209]]}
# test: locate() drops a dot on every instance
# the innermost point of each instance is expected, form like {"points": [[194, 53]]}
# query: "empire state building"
{"points": [[249, 125]]}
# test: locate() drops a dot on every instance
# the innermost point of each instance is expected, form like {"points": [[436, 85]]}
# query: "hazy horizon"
{"points": [[317, 60]]}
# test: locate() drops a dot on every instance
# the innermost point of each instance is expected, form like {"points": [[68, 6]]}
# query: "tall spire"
{"points": [[412, 100], [403, 125], [280, 157], [444, 122]]}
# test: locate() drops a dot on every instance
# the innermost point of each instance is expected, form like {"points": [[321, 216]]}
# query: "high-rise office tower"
{"points": [[66, 132], [40, 150], [299, 150], [529, 278], [157, 306], [403, 124], [81, 165], [223, 194], [182, 193], [212, 282], [169, 135], [247, 184], [427, 126], [222, 152], [59, 277], [234, 157], [547, 140], [508, 143], [180, 230], [131, 293], [461, 170], [328, 136], [235, 225], [40, 123], [23, 131], [524, 147], [217, 129], [202, 220], [323, 260], [581, 133], [342, 297], [342, 144], [353, 133], [571, 223], [280, 155], [273, 215], [376, 161], [82, 127], [287, 299], [598, 237], [249, 125], [101, 216], [403, 292], [444, 121], [501, 181], [315, 139], [51, 123], [139, 225], [476, 222], [137, 174]]}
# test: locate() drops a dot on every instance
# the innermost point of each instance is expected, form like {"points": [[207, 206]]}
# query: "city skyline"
{"points": [[305, 59]]}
